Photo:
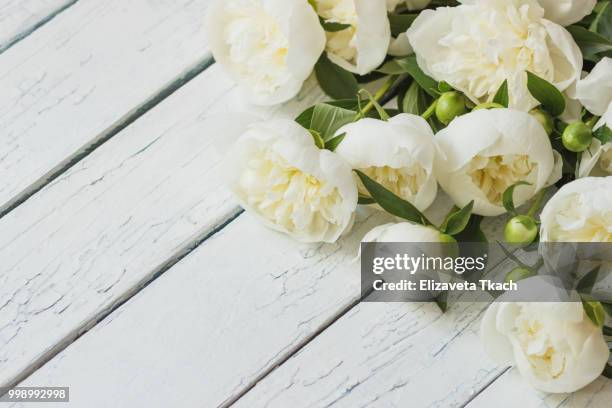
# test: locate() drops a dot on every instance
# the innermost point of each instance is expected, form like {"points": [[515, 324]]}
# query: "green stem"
{"points": [[430, 111], [592, 121], [536, 204], [378, 95]]}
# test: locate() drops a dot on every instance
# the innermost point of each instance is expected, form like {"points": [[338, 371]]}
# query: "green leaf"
{"points": [[607, 372], [379, 109], [400, 23], [602, 24], [334, 80], [604, 134], [414, 100], [457, 221], [590, 43], [608, 308], [318, 140], [363, 200], [508, 197], [332, 27], [327, 119], [501, 96], [443, 86], [585, 285], [305, 118], [472, 232], [551, 98], [390, 202], [595, 312], [442, 301], [332, 143], [410, 66]]}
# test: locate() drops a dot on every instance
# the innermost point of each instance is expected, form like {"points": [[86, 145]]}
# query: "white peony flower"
{"points": [[398, 154], [580, 211], [475, 47], [362, 47], [597, 159], [566, 12], [269, 47], [279, 175], [482, 153], [563, 12], [595, 90], [402, 232], [554, 345]]}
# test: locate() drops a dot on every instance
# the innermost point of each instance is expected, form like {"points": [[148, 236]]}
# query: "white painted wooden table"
{"points": [[129, 274]]}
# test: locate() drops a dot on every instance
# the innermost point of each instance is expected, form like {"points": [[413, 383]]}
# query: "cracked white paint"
{"points": [[73, 79], [203, 331], [19, 17], [510, 391], [85, 241]]}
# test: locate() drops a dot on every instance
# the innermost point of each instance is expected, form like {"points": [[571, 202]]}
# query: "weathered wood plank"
{"points": [[209, 327], [385, 354], [18, 18], [71, 83], [510, 390], [238, 306], [93, 236]]}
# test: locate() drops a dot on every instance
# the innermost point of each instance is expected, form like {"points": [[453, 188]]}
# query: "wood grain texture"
{"points": [[73, 81], [510, 391], [206, 329], [93, 236], [18, 18], [387, 355]]}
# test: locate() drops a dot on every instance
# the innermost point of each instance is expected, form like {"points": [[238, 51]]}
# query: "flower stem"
{"points": [[536, 204], [430, 111], [379, 94]]}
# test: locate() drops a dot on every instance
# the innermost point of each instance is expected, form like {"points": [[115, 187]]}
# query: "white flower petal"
{"points": [[362, 48], [269, 47], [476, 46], [595, 90], [501, 142], [580, 211], [281, 177], [398, 153], [566, 12]]}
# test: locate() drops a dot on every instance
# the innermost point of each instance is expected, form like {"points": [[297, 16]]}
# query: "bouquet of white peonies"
{"points": [[493, 101]]}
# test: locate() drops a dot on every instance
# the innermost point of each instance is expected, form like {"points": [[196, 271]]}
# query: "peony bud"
{"points": [[521, 229], [544, 118], [577, 137], [450, 105]]}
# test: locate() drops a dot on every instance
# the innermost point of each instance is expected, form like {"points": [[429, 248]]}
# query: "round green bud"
{"points": [[577, 137], [449, 106], [517, 274], [545, 120], [488, 105], [521, 230]]}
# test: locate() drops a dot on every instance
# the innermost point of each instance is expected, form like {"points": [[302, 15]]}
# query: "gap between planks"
{"points": [[25, 33], [126, 296], [189, 247], [123, 122]]}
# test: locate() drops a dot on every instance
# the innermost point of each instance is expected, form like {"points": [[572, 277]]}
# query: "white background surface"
{"points": [[129, 273]]}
